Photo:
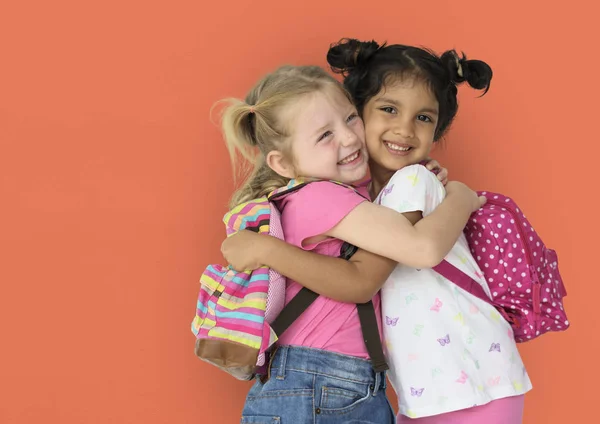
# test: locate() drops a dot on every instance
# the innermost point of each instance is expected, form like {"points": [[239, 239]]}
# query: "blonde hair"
{"points": [[253, 128]]}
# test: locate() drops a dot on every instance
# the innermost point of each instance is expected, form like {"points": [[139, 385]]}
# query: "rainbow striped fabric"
{"points": [[234, 308]]}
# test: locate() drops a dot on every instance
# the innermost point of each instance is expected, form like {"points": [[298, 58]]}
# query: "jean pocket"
{"points": [[341, 400]]}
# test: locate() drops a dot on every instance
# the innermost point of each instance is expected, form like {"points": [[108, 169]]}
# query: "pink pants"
{"points": [[502, 411]]}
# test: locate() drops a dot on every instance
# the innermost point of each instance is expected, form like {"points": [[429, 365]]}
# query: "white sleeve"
{"points": [[413, 188]]}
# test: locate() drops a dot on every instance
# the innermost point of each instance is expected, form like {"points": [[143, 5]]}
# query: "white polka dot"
{"points": [[510, 255], [499, 225], [523, 274], [495, 271], [491, 256]]}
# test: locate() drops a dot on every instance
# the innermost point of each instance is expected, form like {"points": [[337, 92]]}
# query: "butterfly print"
{"points": [[410, 298], [463, 378], [493, 381], [495, 347], [386, 191], [444, 341], [391, 321], [436, 305], [418, 329], [416, 392], [459, 317], [413, 179]]}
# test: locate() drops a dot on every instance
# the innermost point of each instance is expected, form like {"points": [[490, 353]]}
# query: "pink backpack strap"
{"points": [[462, 280]]}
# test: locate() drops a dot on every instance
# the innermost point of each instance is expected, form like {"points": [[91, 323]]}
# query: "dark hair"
{"points": [[367, 67]]}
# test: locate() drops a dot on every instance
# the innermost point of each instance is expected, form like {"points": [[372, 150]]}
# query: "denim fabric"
{"points": [[312, 386]]}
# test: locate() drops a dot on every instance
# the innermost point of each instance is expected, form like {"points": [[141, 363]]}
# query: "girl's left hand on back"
{"points": [[245, 249], [442, 173]]}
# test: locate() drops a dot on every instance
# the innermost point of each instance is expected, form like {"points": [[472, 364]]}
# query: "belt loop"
{"points": [[283, 359], [377, 383]]}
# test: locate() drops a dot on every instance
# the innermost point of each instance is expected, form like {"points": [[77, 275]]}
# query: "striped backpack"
{"points": [[240, 314]]}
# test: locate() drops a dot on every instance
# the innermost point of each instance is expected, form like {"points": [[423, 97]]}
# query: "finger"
{"points": [[443, 174], [445, 181], [432, 164], [482, 201]]}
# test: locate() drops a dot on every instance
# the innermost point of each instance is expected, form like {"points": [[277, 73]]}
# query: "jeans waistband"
{"points": [[322, 362]]}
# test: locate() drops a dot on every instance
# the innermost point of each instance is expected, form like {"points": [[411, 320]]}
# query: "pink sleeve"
{"points": [[318, 207]]}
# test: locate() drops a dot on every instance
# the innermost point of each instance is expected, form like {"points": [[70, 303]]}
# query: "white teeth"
{"points": [[348, 159], [396, 147]]}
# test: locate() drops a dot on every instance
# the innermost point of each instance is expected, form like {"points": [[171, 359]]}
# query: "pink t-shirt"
{"points": [[326, 324]]}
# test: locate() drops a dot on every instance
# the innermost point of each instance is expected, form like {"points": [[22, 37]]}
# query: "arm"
{"points": [[354, 281], [386, 232]]}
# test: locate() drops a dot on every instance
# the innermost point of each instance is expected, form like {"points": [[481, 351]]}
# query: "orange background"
{"points": [[114, 181]]}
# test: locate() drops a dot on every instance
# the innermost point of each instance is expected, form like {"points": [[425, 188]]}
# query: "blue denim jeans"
{"points": [[312, 386]]}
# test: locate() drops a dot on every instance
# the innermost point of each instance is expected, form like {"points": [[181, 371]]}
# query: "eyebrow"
{"points": [[396, 103], [328, 125]]}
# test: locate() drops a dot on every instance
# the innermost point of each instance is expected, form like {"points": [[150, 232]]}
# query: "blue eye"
{"points": [[389, 109], [324, 135], [424, 118]]}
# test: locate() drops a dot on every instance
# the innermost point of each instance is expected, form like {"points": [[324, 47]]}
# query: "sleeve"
{"points": [[413, 188], [320, 206]]}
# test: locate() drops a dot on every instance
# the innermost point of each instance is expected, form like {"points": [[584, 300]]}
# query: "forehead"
{"points": [[410, 89], [316, 109]]}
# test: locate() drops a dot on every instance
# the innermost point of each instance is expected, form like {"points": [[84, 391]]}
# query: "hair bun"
{"points": [[349, 54], [476, 73]]}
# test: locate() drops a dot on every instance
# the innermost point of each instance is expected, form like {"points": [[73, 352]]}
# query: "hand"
{"points": [[461, 189], [434, 166], [245, 250]]}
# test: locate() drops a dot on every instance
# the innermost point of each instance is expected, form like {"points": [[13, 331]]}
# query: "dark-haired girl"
{"points": [[453, 359]]}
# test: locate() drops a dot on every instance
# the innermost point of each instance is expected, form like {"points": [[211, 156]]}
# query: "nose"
{"points": [[404, 128], [348, 138]]}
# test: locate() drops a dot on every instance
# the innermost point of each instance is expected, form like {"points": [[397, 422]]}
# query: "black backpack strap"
{"points": [[366, 315], [370, 332], [300, 303]]}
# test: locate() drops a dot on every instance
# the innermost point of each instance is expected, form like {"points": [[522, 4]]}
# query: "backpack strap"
{"points": [[366, 314], [462, 280], [370, 332], [305, 297]]}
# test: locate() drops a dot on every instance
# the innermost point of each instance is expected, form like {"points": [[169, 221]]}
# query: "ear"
{"points": [[278, 163]]}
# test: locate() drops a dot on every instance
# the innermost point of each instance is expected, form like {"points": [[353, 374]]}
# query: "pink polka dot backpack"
{"points": [[521, 272]]}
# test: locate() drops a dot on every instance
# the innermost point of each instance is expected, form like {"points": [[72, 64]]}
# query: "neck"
{"points": [[379, 178]]}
